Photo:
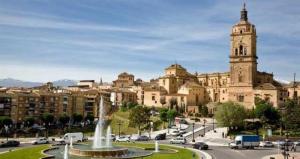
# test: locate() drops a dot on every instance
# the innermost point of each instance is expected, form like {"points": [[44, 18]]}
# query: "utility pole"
{"points": [[294, 87], [204, 126], [119, 124], [193, 132]]}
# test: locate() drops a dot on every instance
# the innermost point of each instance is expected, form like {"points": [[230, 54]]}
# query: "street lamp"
{"points": [[6, 131], [151, 129], [193, 132], [204, 121], [213, 124], [286, 146], [119, 124]]}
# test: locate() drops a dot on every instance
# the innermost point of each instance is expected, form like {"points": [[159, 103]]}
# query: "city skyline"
{"points": [[102, 39]]}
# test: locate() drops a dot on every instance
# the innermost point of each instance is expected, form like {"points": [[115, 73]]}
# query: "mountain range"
{"points": [[10, 82]]}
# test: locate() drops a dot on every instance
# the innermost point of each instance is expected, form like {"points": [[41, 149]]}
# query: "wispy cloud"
{"points": [[140, 36]]}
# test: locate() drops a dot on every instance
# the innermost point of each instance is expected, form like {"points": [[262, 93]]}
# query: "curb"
{"points": [[47, 156], [206, 155]]}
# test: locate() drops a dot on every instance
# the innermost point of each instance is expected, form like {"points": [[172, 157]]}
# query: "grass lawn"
{"points": [[123, 118], [25, 153], [35, 152], [181, 154]]}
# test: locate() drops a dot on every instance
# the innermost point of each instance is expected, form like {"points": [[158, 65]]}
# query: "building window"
{"points": [[241, 98], [164, 82], [236, 51], [153, 98], [241, 49]]}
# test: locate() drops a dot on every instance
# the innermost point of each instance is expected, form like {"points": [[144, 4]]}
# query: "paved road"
{"points": [[12, 148], [227, 153]]}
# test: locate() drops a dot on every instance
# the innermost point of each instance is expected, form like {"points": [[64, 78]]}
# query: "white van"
{"points": [[76, 137]]}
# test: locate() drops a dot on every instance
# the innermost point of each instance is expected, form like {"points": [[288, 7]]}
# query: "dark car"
{"points": [[142, 138], [200, 146], [11, 143], [160, 136]]}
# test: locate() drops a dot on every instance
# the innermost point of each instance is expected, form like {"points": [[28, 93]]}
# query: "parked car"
{"points": [[266, 144], [123, 139], [42, 140], [160, 136], [200, 146], [10, 143], [297, 143], [175, 133], [178, 140], [183, 121], [181, 132], [142, 138]]}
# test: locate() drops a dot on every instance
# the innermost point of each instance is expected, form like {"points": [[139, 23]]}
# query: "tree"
{"points": [[290, 115], [162, 100], [77, 118], [47, 118], [89, 117], [267, 114], [230, 114], [171, 114], [131, 105], [173, 102], [64, 119], [163, 114], [138, 117], [203, 110], [5, 120], [29, 121], [124, 106]]}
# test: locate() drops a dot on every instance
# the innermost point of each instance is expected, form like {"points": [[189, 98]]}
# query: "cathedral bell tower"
{"points": [[243, 59]]}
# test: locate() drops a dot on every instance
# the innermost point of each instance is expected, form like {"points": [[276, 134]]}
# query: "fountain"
{"points": [[108, 137], [156, 146], [66, 154], [101, 146], [71, 142], [98, 137]]}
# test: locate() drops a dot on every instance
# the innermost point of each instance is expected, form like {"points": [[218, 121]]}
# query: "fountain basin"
{"points": [[104, 153]]}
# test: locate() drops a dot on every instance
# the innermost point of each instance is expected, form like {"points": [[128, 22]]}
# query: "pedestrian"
{"points": [[222, 134], [293, 148]]}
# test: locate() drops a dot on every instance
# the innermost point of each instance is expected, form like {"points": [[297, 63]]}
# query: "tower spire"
{"points": [[244, 16]]}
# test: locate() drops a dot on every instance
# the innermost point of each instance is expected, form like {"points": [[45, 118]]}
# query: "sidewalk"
{"points": [[280, 156], [215, 138]]}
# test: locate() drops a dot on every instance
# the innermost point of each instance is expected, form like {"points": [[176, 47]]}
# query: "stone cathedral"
{"points": [[242, 84]]}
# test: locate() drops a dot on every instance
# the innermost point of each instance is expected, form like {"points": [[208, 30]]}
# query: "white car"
{"points": [[266, 144], [122, 139], [175, 133], [178, 140], [297, 143], [42, 140]]}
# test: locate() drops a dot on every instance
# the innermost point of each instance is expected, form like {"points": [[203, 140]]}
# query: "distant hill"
{"points": [[10, 82]]}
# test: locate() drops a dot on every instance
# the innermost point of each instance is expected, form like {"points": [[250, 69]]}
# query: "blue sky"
{"points": [[45, 40]]}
